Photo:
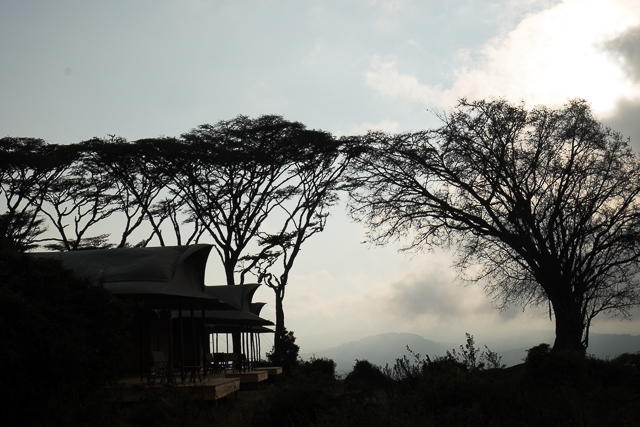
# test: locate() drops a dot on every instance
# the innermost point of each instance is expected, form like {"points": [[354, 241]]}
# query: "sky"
{"points": [[72, 70]]}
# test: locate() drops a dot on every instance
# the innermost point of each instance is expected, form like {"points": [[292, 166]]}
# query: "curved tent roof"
{"points": [[239, 296], [168, 270], [256, 307]]}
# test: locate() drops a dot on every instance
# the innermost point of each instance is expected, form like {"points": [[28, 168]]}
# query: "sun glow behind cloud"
{"points": [[551, 56]]}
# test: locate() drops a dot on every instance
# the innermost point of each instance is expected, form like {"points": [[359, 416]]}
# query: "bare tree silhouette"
{"points": [[544, 201]]}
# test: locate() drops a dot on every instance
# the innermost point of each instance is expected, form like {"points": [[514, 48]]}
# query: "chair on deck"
{"points": [[224, 362], [160, 365]]}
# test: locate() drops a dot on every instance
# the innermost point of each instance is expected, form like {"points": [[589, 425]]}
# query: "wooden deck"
{"points": [[211, 388], [272, 370], [250, 376]]}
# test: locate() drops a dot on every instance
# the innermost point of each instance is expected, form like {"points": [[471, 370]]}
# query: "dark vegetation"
{"points": [[62, 339], [288, 358], [463, 387]]}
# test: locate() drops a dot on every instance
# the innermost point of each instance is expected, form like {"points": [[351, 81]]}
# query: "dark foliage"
{"points": [[559, 367], [63, 339], [322, 367], [417, 391], [289, 356], [367, 373], [28, 169], [298, 402], [168, 407]]}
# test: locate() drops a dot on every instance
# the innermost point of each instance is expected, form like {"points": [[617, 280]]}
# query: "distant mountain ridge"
{"points": [[379, 349], [386, 348]]}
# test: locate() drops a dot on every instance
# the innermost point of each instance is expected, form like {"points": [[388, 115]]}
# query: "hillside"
{"points": [[386, 348], [378, 349]]}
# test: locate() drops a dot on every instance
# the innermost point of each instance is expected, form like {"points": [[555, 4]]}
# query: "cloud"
{"points": [[624, 119], [433, 294], [388, 11], [627, 48], [385, 79], [415, 44], [383, 125], [551, 56]]}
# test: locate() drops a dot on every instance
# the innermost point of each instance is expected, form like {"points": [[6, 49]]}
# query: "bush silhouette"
{"points": [[365, 372], [323, 367], [555, 367], [290, 350]]}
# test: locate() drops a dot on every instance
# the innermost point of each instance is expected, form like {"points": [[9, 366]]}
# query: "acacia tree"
{"points": [[138, 184], [231, 176], [319, 173], [544, 201], [236, 174], [78, 201], [28, 169]]}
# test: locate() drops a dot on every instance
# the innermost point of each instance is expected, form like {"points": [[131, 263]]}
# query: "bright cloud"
{"points": [[385, 78], [388, 13], [383, 125], [549, 57]]}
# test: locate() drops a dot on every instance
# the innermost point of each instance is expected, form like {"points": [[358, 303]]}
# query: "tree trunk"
{"points": [[570, 327], [229, 269], [279, 327]]}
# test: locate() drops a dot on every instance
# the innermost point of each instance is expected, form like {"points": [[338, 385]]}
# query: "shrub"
{"points": [[444, 365], [469, 355], [473, 359], [537, 352], [550, 368], [322, 367], [405, 369], [299, 402], [365, 372], [290, 350], [629, 366]]}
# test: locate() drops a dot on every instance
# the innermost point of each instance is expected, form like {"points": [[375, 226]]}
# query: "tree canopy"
{"points": [[29, 167], [257, 187], [544, 201]]}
